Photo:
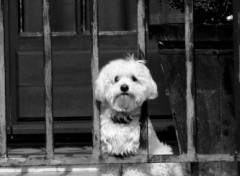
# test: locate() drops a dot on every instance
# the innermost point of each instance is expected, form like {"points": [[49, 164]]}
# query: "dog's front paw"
{"points": [[109, 170]]}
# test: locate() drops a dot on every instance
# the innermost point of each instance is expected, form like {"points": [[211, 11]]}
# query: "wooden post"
{"points": [[190, 80], [94, 71], [141, 29], [48, 79], [190, 90], [141, 43], [3, 135]]}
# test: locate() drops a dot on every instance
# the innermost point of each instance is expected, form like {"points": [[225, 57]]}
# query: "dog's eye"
{"points": [[116, 79], [134, 78]]}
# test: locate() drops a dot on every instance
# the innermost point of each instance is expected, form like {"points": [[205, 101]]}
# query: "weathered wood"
{"points": [[3, 135], [50, 170], [236, 34], [228, 120], [209, 72], [175, 32], [72, 83], [94, 70], [81, 159], [174, 70], [69, 101], [208, 111], [190, 89], [200, 158], [141, 29], [141, 48], [207, 36], [48, 79]]}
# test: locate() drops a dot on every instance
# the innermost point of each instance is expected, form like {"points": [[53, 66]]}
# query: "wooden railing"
{"points": [[144, 157]]}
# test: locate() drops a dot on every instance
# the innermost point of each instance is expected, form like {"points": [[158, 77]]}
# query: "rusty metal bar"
{"points": [[94, 71], [190, 84], [48, 79], [3, 135], [141, 46]]}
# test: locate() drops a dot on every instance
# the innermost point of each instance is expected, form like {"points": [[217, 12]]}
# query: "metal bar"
{"points": [[3, 135], [48, 79], [190, 102], [94, 71], [141, 46]]}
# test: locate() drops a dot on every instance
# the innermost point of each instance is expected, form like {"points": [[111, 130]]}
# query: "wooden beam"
{"points": [[190, 81], [94, 71], [48, 79], [80, 159], [189, 158], [3, 136], [141, 45], [141, 29]]}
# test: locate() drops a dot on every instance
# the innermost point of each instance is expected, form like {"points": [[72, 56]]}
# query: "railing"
{"points": [[144, 157]]}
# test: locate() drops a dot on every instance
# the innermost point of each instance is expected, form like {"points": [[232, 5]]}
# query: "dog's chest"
{"points": [[119, 139]]}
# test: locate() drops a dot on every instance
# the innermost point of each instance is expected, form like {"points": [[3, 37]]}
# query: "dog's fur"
{"points": [[122, 86]]}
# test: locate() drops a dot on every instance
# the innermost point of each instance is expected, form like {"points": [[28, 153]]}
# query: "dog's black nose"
{"points": [[124, 88]]}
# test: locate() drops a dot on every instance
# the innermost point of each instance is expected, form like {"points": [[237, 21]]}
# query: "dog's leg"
{"points": [[109, 170], [157, 147], [136, 170]]}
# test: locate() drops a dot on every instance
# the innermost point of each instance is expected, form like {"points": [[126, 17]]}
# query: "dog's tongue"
{"points": [[124, 102]]}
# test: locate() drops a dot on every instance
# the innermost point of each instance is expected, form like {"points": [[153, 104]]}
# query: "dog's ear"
{"points": [[100, 87], [152, 91], [152, 88]]}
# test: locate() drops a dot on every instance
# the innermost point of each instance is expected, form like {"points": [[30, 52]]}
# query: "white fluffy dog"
{"points": [[122, 86]]}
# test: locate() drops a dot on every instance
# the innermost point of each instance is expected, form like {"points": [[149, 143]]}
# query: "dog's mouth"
{"points": [[124, 102], [124, 94]]}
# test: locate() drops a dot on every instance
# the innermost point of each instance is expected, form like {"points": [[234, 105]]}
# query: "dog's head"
{"points": [[125, 84]]}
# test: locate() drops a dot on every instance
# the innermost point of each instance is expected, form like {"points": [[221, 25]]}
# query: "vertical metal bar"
{"points": [[3, 135], [190, 84], [48, 79], [94, 71], [141, 43]]}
